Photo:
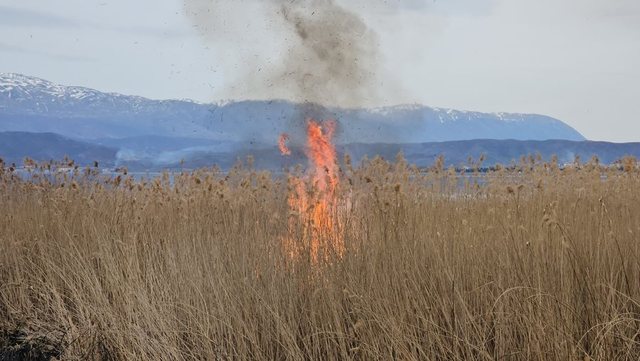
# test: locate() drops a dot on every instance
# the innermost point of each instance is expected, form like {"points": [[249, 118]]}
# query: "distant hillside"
{"points": [[504, 152], [36, 105], [455, 153], [15, 146]]}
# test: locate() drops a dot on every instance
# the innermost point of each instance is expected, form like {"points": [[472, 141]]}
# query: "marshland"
{"points": [[533, 262]]}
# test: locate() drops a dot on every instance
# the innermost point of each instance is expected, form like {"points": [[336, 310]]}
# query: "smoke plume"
{"points": [[318, 52]]}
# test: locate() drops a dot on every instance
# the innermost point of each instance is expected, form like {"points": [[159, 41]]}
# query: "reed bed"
{"points": [[531, 262]]}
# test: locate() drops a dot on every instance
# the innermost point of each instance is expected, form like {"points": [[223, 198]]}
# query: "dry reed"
{"points": [[523, 263]]}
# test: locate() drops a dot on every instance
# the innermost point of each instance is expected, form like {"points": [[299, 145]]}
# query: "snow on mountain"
{"points": [[37, 95], [36, 105], [25, 94]]}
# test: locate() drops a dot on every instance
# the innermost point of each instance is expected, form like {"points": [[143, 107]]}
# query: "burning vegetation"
{"points": [[282, 144], [314, 200], [329, 58], [532, 263]]}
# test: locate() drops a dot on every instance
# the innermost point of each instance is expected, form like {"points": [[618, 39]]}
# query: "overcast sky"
{"points": [[576, 60]]}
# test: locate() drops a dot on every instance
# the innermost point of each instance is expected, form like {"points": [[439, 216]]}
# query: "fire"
{"points": [[322, 154], [314, 199], [282, 144]]}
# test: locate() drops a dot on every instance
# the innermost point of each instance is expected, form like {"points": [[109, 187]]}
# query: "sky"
{"points": [[575, 60]]}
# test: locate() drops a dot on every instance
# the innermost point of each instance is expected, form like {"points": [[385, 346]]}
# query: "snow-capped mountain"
{"points": [[36, 105], [39, 96]]}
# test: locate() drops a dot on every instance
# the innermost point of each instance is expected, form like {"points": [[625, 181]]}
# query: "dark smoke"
{"points": [[334, 59], [329, 55]]}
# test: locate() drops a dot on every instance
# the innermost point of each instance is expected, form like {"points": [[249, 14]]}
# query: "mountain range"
{"points": [[36, 105], [159, 133]]}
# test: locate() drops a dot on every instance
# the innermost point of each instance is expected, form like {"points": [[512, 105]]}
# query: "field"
{"points": [[526, 263]]}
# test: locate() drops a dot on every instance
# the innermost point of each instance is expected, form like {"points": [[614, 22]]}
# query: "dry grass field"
{"points": [[531, 263]]}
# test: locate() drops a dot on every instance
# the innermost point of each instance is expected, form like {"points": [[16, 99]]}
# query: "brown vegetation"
{"points": [[534, 263]]}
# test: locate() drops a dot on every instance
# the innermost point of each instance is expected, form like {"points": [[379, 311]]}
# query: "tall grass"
{"points": [[529, 263]]}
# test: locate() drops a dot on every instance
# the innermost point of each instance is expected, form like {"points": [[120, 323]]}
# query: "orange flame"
{"points": [[282, 144], [316, 207], [322, 154]]}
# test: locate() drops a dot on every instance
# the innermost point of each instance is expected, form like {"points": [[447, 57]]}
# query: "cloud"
{"points": [[9, 48], [445, 6], [20, 17], [614, 10], [10, 16], [434, 7]]}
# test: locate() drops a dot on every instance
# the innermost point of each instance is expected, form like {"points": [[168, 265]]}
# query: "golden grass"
{"points": [[528, 264]]}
